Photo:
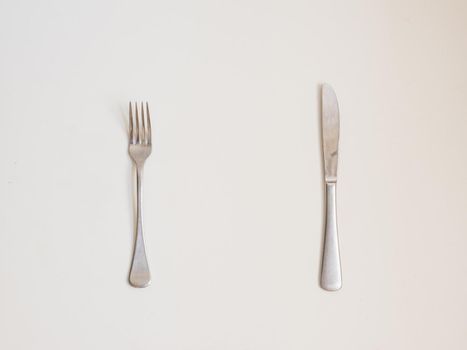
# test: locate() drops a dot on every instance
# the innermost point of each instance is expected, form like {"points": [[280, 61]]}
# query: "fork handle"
{"points": [[140, 276], [331, 276]]}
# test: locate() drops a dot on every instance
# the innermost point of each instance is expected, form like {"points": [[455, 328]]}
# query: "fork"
{"points": [[139, 149]]}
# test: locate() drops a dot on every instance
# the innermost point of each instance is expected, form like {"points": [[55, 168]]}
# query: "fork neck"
{"points": [[139, 166]]}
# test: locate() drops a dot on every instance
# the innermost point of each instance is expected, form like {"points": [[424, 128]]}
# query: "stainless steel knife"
{"points": [[331, 275]]}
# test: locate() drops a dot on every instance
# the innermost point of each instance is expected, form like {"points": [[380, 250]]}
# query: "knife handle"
{"points": [[331, 275]]}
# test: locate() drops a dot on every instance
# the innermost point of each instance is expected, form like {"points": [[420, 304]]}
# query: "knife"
{"points": [[331, 275]]}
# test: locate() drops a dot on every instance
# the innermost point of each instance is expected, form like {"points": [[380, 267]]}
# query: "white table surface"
{"points": [[233, 193]]}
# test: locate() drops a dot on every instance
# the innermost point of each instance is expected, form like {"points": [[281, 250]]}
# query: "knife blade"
{"points": [[330, 126], [331, 275]]}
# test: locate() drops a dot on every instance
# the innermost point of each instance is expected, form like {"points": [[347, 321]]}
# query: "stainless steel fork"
{"points": [[139, 149]]}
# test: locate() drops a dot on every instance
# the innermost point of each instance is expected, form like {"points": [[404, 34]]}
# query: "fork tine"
{"points": [[131, 124], [144, 133], [137, 123], [149, 123]]}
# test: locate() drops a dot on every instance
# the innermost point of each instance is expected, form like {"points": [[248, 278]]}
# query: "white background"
{"points": [[233, 192]]}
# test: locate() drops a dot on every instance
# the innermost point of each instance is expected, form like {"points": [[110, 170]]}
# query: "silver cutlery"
{"points": [[331, 275], [139, 149]]}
